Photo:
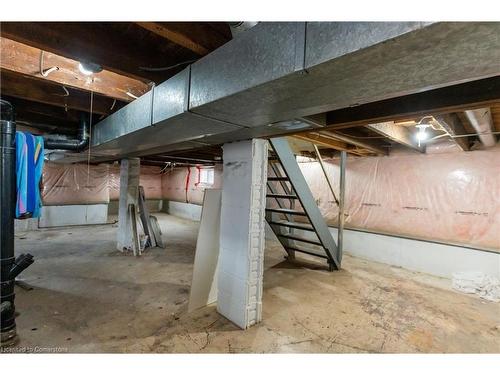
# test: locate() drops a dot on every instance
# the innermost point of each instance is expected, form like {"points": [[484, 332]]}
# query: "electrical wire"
{"points": [[128, 93], [90, 135], [46, 72], [65, 91], [162, 69]]}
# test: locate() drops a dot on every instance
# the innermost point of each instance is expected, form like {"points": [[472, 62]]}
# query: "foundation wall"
{"points": [[444, 196]]}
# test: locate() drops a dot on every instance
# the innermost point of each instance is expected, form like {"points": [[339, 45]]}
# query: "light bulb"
{"points": [[422, 135], [83, 70]]}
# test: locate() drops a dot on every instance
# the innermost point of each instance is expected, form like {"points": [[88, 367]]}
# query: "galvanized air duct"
{"points": [[482, 122], [241, 26], [280, 71]]}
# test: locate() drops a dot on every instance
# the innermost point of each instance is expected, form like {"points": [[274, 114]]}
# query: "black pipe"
{"points": [[78, 144], [9, 267], [8, 207]]}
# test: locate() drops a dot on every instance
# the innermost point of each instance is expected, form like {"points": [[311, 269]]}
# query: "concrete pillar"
{"points": [[242, 232], [129, 194]]}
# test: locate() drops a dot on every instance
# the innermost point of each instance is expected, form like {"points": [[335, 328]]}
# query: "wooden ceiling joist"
{"points": [[454, 126], [320, 121], [31, 61], [25, 87], [325, 141], [396, 133], [121, 47], [196, 37]]}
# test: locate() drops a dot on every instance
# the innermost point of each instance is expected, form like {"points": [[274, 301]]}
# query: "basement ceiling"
{"points": [[138, 56]]}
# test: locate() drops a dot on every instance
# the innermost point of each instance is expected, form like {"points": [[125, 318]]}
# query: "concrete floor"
{"points": [[87, 297]]}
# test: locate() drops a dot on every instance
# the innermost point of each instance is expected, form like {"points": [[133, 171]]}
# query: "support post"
{"points": [[242, 232], [129, 194], [340, 234], [320, 160]]}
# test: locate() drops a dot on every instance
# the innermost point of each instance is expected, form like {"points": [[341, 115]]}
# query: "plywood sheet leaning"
{"points": [[204, 283]]}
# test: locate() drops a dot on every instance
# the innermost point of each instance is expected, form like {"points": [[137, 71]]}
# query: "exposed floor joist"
{"points": [[199, 38], [396, 133], [21, 58], [25, 87], [329, 142], [454, 126], [121, 47], [45, 117]]}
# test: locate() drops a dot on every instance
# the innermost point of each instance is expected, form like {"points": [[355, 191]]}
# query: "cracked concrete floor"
{"points": [[87, 297]]}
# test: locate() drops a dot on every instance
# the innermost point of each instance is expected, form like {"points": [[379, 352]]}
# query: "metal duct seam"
{"points": [[254, 80]]}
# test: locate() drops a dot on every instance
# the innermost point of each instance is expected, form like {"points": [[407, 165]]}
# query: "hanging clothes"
{"points": [[21, 174], [39, 153], [29, 166]]}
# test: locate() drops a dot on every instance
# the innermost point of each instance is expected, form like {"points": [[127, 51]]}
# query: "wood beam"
{"points": [[396, 133], [197, 37], [25, 87], [325, 141], [319, 120], [43, 112], [121, 47], [475, 94], [356, 142], [454, 126], [21, 58]]}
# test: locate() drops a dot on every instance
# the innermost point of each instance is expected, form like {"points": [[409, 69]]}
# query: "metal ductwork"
{"points": [[238, 27], [54, 142], [10, 266], [482, 122], [280, 71]]}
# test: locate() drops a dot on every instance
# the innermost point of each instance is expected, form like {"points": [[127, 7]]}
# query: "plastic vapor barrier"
{"points": [[65, 184], [446, 196], [183, 184]]}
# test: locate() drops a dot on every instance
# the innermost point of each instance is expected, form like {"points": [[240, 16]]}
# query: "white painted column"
{"points": [[242, 234], [129, 194]]}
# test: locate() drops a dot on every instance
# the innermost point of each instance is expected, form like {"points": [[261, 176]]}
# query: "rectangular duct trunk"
{"points": [[280, 71]]}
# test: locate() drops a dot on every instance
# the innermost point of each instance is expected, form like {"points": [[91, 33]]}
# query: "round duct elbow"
{"points": [[240, 26]]}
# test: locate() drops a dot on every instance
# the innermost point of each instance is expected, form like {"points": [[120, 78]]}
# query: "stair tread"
{"points": [[286, 211], [285, 196], [299, 238], [292, 224], [277, 178]]}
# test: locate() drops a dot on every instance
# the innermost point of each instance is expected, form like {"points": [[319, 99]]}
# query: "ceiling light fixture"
{"points": [[422, 135], [88, 68]]}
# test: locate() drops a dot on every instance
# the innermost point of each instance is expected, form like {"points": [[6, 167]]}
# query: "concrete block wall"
{"points": [[242, 233]]}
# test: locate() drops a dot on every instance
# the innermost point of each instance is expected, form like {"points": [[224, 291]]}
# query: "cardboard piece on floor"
{"points": [[136, 244], [204, 283], [145, 218], [156, 231]]}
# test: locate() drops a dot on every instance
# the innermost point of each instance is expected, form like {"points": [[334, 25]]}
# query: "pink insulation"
{"points": [[452, 197], [65, 184], [182, 184], [150, 179]]}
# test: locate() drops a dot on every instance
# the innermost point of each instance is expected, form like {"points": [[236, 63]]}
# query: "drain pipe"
{"points": [[79, 144], [9, 266], [482, 122]]}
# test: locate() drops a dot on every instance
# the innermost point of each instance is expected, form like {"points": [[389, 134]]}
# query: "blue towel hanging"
{"points": [[29, 167]]}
